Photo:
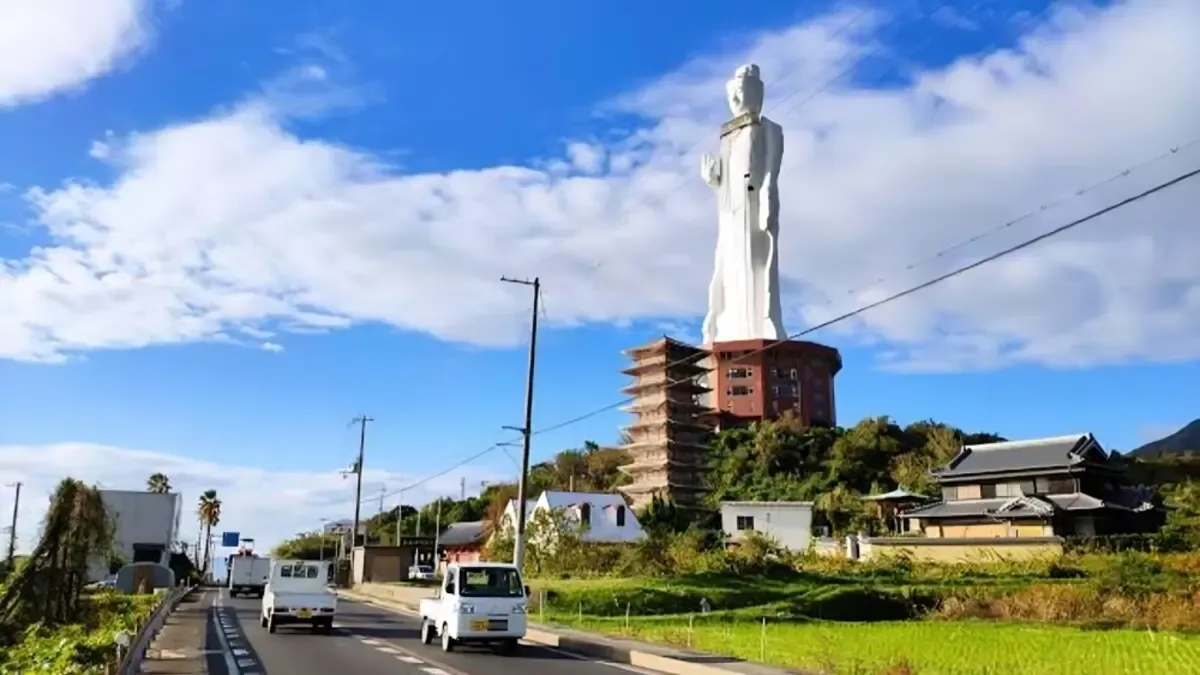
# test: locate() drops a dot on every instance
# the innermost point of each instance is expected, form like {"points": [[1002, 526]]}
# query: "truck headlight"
{"points": [[518, 609], [464, 608]]}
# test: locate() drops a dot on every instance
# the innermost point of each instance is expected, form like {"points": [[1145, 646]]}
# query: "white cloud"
{"points": [[271, 347], [231, 225], [47, 46], [263, 504]]}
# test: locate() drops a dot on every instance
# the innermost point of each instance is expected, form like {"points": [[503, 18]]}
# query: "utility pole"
{"points": [[399, 515], [361, 421], [462, 489], [527, 429], [437, 535], [12, 532], [382, 494]]}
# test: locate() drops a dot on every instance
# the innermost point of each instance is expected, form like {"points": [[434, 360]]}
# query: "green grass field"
{"points": [[926, 647]]}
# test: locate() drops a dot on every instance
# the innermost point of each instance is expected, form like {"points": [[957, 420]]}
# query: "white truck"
{"points": [[248, 575], [298, 593], [481, 603]]}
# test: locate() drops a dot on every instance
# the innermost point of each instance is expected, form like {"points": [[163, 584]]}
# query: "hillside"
{"points": [[1186, 439]]}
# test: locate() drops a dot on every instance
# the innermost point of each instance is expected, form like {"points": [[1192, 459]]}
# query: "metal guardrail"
{"points": [[131, 658]]}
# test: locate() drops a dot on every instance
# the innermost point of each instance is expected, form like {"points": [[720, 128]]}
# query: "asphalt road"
{"points": [[367, 640]]}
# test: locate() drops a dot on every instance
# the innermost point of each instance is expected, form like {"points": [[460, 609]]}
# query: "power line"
{"points": [[866, 308], [827, 83]]}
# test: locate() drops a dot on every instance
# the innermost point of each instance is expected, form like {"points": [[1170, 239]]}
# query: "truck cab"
{"points": [[482, 603], [297, 593]]}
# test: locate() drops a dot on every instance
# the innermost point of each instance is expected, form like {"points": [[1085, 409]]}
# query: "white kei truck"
{"points": [[298, 593], [248, 575], [478, 603]]}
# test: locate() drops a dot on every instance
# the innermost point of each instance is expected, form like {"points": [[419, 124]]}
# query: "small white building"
{"points": [[147, 526], [605, 517], [788, 523]]}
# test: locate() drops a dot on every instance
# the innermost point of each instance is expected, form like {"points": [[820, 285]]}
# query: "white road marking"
{"points": [[435, 671], [368, 641], [387, 650], [230, 664], [410, 659]]}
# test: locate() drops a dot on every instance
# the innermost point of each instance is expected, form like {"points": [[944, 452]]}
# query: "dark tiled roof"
{"points": [[1060, 452], [462, 534], [1030, 505]]}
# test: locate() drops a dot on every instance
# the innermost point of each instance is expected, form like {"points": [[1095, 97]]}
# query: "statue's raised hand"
{"points": [[710, 170]]}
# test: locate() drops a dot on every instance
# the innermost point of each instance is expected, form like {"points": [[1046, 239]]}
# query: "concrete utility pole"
{"points": [[361, 421], [527, 430], [12, 530], [462, 489]]}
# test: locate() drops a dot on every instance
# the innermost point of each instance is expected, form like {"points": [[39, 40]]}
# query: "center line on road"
{"points": [[435, 671], [410, 659], [368, 641], [387, 650]]}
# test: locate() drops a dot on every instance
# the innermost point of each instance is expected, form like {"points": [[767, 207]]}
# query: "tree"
{"points": [[158, 483], [209, 512]]}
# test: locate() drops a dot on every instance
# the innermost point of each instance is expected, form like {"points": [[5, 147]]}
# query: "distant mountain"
{"points": [[1186, 439]]}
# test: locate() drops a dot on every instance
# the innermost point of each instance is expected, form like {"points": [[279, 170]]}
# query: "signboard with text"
{"points": [[231, 539]]}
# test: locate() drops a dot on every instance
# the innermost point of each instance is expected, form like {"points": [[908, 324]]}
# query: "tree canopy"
{"points": [[768, 461]]}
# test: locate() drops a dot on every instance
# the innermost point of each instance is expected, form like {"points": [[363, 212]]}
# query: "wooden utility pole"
{"points": [[12, 530], [361, 421], [527, 429]]}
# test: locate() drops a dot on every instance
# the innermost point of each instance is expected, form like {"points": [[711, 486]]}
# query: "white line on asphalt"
{"points": [[410, 659], [578, 657], [435, 671], [369, 641], [230, 663], [387, 650]]}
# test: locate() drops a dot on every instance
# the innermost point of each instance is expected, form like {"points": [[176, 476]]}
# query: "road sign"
{"points": [[230, 539]]}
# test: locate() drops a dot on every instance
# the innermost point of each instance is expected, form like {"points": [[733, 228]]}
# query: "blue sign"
{"points": [[231, 539]]}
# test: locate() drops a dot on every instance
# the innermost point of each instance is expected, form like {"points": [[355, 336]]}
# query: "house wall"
{"points": [[461, 555], [961, 529], [602, 527], [965, 550], [146, 518], [790, 524]]}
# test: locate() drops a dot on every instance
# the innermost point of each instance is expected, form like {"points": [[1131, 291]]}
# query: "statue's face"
{"points": [[745, 91]]}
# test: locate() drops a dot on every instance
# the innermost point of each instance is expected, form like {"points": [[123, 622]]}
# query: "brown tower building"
{"points": [[668, 439], [760, 380]]}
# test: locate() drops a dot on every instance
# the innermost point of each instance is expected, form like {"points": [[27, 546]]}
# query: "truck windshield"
{"points": [[490, 582]]}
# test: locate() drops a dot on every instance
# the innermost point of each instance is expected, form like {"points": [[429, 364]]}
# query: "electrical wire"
{"points": [[860, 310], [777, 106]]}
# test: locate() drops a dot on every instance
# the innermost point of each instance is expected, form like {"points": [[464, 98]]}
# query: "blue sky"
{"points": [[314, 205]]}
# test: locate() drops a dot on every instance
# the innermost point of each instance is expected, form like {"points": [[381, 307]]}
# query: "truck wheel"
{"points": [[447, 641], [272, 624], [262, 620], [427, 631], [510, 647]]}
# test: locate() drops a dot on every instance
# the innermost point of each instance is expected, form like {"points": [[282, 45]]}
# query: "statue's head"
{"points": [[745, 91]]}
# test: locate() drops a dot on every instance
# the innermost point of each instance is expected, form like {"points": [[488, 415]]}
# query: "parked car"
{"points": [[422, 573]]}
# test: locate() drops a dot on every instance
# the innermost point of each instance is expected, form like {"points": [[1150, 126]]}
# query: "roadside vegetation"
{"points": [[1126, 605], [51, 621]]}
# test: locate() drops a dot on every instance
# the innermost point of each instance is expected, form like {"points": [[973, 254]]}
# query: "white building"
{"points": [[605, 517], [788, 523], [147, 526]]}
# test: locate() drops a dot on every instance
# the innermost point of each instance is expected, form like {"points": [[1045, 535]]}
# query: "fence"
{"points": [[131, 653]]}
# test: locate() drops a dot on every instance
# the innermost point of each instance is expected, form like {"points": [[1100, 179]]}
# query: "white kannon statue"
{"points": [[743, 297]]}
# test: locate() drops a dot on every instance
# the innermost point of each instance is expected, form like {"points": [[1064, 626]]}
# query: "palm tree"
{"points": [[158, 483], [209, 511]]}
